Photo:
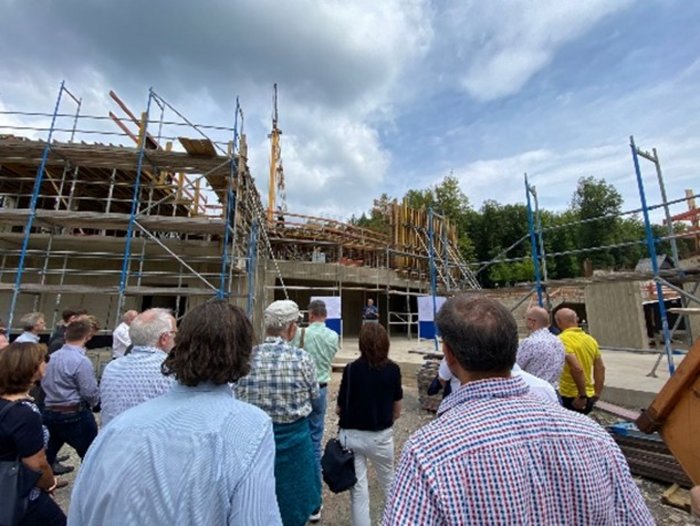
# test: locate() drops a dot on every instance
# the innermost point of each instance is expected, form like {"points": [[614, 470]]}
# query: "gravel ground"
{"points": [[337, 507]]}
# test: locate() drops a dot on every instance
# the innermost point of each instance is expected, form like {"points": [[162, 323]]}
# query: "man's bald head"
{"points": [[536, 318], [566, 318]]}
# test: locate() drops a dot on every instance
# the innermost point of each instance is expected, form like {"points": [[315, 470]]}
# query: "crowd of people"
{"points": [[199, 425]]}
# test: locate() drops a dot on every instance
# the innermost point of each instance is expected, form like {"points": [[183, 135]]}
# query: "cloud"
{"points": [[500, 46]]}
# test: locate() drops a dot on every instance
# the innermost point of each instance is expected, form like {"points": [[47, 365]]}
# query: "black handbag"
{"points": [[16, 481], [338, 465], [338, 462]]}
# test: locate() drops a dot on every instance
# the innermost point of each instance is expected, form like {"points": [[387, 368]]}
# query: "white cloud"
{"points": [[499, 46]]}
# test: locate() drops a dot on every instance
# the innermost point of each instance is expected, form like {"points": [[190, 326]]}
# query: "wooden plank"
{"points": [[199, 147], [675, 413], [677, 497]]}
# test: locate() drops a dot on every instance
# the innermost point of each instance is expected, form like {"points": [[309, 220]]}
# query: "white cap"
{"points": [[280, 313]]}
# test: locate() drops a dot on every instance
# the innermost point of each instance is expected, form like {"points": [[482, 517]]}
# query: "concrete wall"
{"points": [[615, 314]]}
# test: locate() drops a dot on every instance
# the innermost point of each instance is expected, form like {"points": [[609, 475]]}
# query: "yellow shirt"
{"points": [[586, 349]]}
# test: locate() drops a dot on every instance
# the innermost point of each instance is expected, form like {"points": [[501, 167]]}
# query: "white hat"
{"points": [[280, 313]]}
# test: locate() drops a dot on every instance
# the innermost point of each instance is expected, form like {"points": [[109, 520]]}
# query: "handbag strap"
{"points": [[7, 407], [347, 400]]}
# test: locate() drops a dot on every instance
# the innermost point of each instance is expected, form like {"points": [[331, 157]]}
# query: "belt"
{"points": [[68, 408], [321, 386]]}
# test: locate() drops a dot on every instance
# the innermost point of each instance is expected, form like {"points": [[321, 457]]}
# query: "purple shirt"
{"points": [[70, 378], [496, 454], [542, 355]]}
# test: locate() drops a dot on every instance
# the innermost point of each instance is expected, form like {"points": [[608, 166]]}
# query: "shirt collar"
{"points": [[70, 347], [204, 387], [146, 349], [541, 330], [573, 329], [483, 390], [274, 339]]}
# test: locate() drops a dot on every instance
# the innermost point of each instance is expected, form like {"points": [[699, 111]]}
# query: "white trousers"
{"points": [[377, 446]]}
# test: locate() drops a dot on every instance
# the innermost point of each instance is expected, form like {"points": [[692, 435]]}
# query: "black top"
{"points": [[372, 395], [21, 433]]}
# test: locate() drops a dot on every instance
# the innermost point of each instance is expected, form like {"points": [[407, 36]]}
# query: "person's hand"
{"points": [[579, 403], [695, 500]]}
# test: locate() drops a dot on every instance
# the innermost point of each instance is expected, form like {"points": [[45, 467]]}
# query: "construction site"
{"points": [[162, 212]]}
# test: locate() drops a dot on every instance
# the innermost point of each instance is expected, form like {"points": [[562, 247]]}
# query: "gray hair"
{"points": [[29, 320], [481, 333], [318, 308], [147, 327], [130, 316]]}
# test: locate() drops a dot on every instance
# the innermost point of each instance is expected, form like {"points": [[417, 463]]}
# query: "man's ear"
{"points": [[449, 355]]}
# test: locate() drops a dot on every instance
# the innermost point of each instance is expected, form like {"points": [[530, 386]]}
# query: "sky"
{"points": [[382, 97]]}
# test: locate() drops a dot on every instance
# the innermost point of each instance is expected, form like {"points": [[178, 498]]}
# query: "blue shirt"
{"points": [[195, 455], [27, 337], [70, 378], [132, 380]]}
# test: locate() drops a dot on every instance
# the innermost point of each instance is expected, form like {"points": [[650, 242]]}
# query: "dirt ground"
{"points": [[336, 511]]}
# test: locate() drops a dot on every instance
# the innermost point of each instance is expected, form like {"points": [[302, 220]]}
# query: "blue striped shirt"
{"points": [[195, 455], [132, 380]]}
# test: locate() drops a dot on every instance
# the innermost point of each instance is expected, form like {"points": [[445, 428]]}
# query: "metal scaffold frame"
{"points": [[167, 211], [661, 279]]}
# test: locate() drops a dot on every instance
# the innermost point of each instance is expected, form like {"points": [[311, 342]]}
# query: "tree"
{"points": [[594, 198]]}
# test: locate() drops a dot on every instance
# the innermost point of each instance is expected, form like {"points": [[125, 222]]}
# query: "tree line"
{"points": [[571, 240]]}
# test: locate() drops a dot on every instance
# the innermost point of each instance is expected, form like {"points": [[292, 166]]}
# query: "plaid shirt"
{"points": [[542, 354], [497, 455], [282, 381]]}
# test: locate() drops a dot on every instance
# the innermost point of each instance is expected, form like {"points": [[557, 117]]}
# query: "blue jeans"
{"points": [[316, 420], [77, 429]]}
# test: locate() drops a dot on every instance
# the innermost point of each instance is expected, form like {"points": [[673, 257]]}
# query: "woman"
{"points": [[21, 432], [369, 402]]}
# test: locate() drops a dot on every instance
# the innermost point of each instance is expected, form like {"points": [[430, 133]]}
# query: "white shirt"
{"points": [[27, 337], [445, 374], [540, 388], [120, 340]]}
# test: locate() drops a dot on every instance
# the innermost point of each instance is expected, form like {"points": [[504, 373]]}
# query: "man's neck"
{"points": [[79, 343]]}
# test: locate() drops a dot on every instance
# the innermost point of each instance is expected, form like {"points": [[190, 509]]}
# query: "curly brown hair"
{"points": [[213, 344], [19, 362], [374, 344]]}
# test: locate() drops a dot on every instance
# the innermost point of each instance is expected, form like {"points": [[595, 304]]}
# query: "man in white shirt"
{"points": [[120, 336]]}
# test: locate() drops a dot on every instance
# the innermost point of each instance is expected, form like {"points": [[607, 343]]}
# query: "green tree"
{"points": [[595, 198]]}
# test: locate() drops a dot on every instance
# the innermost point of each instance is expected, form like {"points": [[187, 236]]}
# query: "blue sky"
{"points": [[386, 96]]}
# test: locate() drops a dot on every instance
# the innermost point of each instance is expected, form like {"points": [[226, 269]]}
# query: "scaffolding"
{"points": [[121, 224]]}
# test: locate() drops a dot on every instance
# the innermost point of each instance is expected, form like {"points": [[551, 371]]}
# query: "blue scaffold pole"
{"points": [[433, 279], [32, 210], [252, 253], [230, 207], [651, 247], [533, 245], [134, 206]]}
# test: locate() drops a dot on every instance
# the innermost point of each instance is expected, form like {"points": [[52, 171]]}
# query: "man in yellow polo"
{"points": [[583, 377]]}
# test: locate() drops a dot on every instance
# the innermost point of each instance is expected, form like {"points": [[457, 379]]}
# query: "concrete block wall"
{"points": [[616, 315]]}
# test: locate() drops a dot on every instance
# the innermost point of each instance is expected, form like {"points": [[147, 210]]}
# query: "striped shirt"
{"points": [[132, 380], [282, 381], [542, 354], [498, 455], [195, 455]]}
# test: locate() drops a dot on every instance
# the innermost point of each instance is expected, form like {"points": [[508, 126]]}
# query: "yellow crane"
{"points": [[276, 189]]}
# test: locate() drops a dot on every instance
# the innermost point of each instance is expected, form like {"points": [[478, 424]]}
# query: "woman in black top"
{"points": [[21, 432], [369, 402]]}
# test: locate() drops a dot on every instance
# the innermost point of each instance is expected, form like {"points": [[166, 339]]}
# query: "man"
{"points": [[32, 324], [120, 336], [370, 313], [194, 455], [58, 336], [283, 383], [496, 454], [583, 377], [321, 343], [541, 353], [138, 377], [71, 392]]}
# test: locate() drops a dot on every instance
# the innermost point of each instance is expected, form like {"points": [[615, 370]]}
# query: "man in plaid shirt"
{"points": [[282, 382], [498, 455]]}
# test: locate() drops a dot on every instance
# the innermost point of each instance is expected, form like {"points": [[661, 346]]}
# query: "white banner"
{"points": [[425, 307], [332, 306]]}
